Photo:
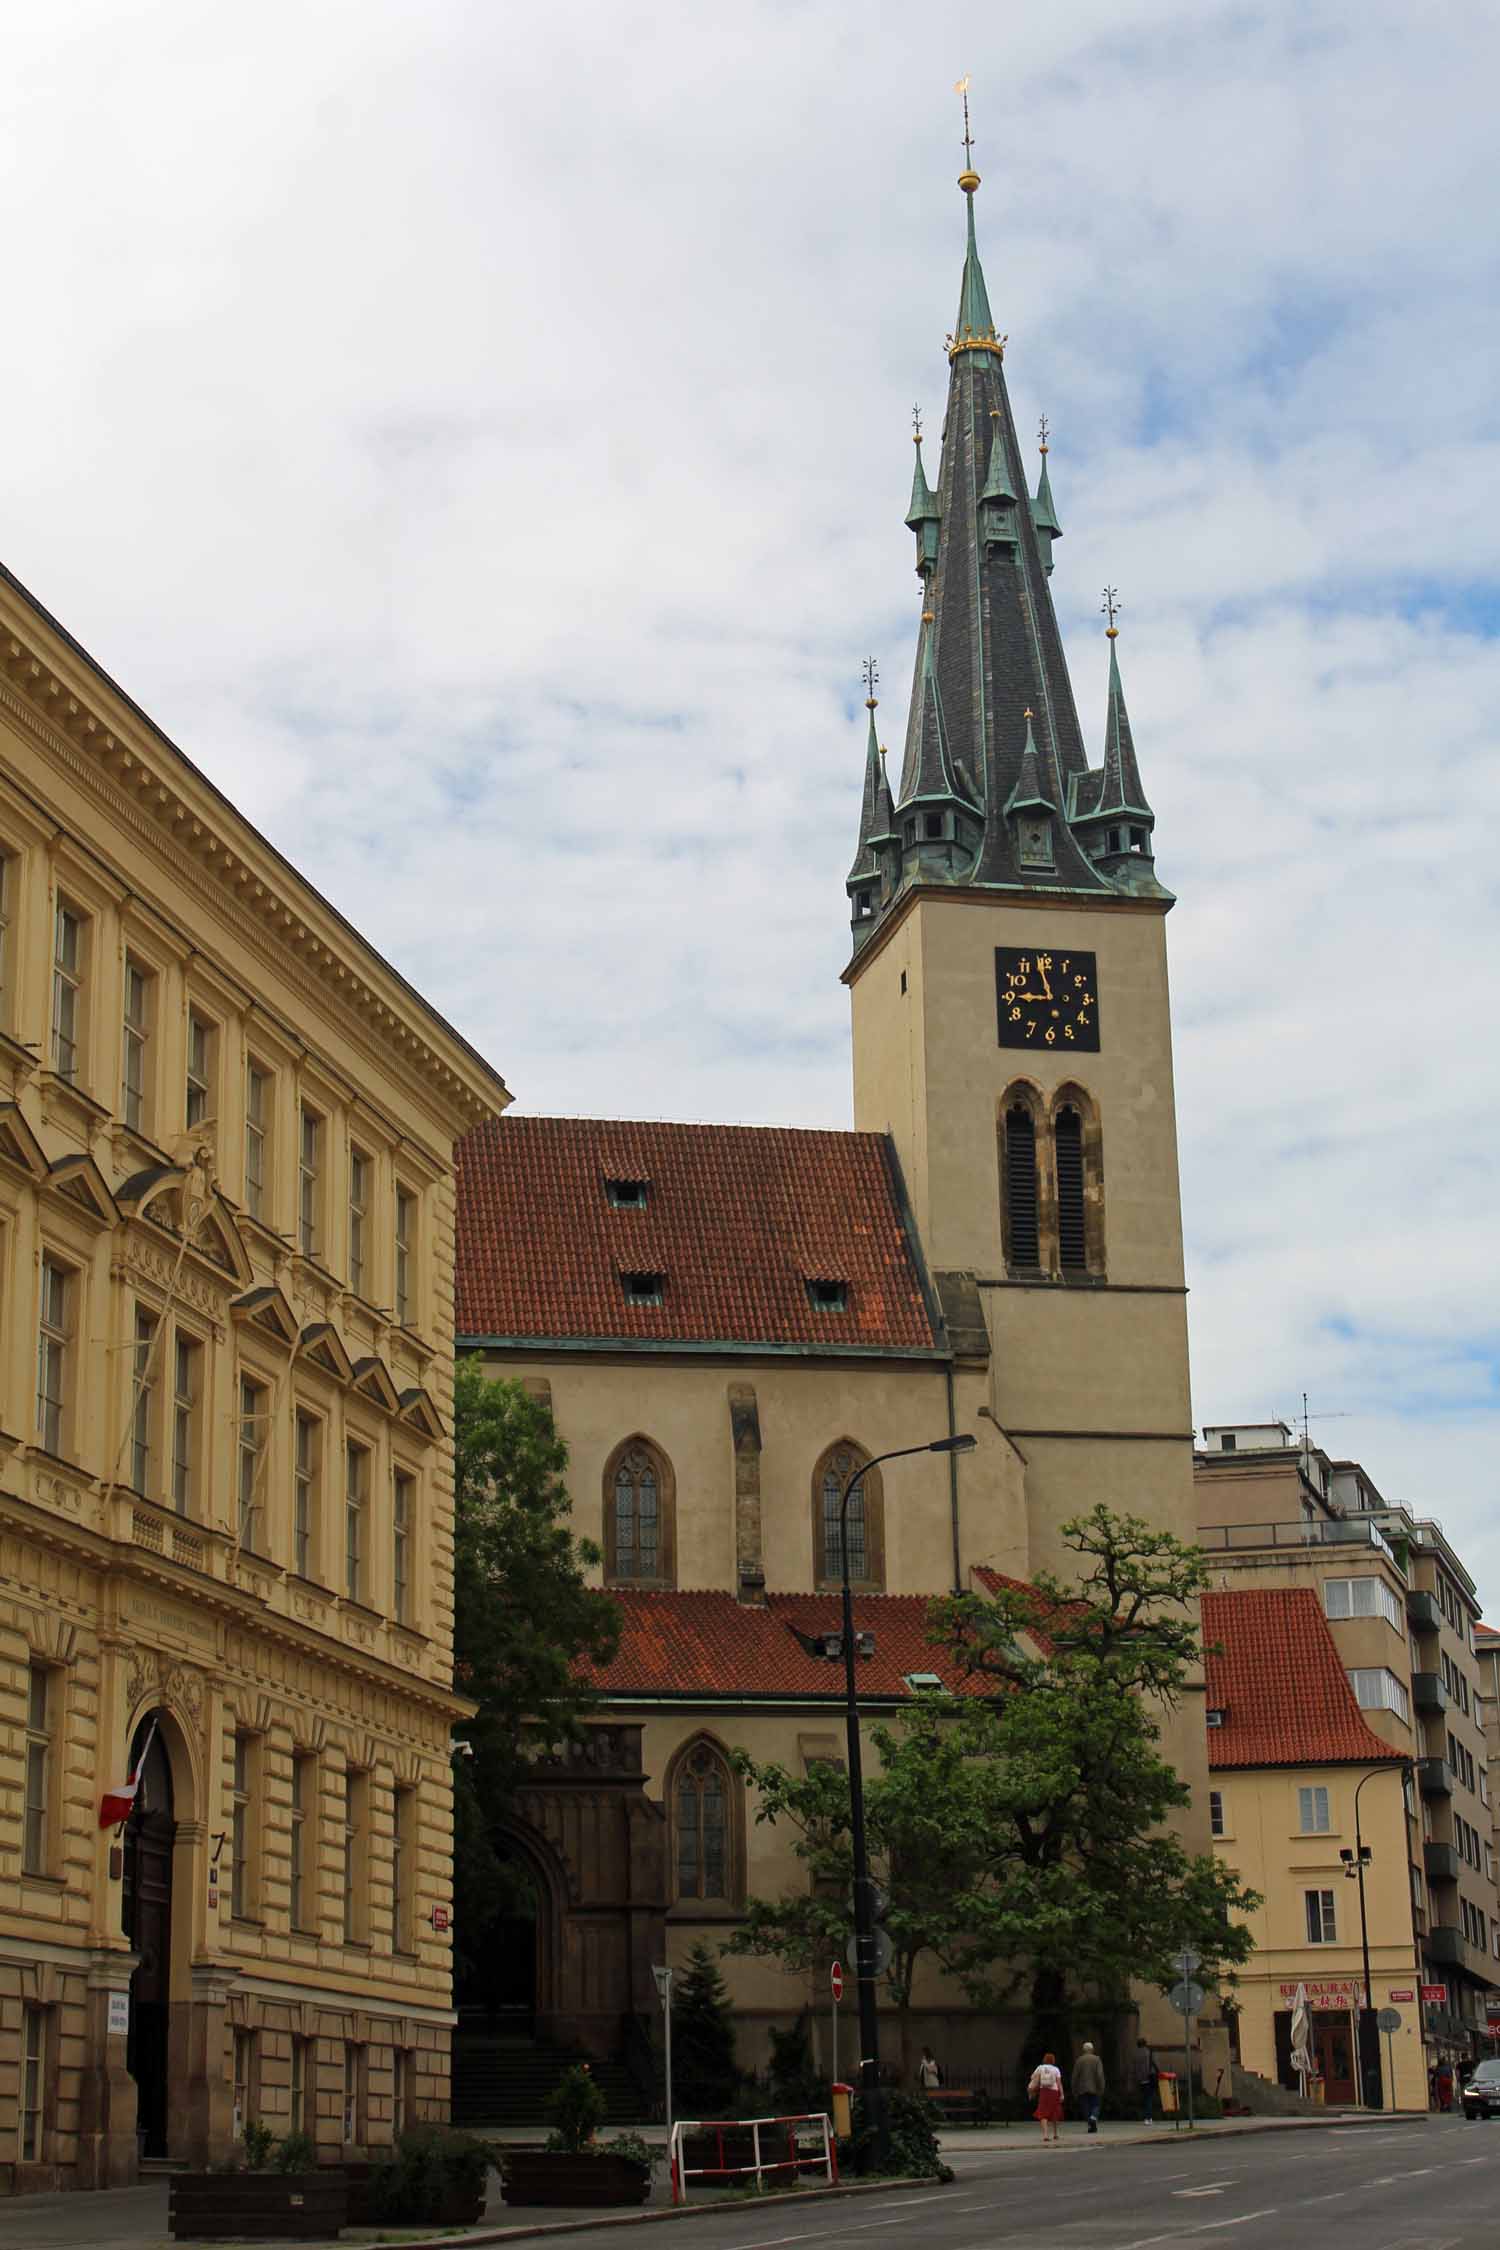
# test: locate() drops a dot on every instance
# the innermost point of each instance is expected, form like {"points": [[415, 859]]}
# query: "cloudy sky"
{"points": [[479, 435]]}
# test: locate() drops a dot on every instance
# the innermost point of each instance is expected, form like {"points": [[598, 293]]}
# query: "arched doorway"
{"points": [[150, 1834], [499, 1984]]}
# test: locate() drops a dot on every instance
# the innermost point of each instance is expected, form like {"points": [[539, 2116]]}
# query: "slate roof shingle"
{"points": [[738, 1219], [1281, 1684], [712, 1644]]}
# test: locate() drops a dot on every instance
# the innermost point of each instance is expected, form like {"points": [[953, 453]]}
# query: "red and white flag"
{"points": [[116, 1805]]}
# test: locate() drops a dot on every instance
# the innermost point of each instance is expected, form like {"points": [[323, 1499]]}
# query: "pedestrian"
{"points": [[1145, 2080], [1046, 2088], [1088, 2085], [929, 2072], [1445, 2085]]}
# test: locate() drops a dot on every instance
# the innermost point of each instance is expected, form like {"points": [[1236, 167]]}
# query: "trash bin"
{"points": [[1316, 2091], [842, 2122], [1166, 2087]]}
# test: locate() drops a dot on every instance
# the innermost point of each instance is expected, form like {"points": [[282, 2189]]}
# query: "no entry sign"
{"points": [[836, 1980]]}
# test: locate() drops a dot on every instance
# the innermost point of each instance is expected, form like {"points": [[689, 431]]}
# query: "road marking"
{"points": [[1200, 2226], [1217, 2188]]}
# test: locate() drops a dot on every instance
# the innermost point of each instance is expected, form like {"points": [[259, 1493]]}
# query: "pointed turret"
{"points": [[997, 502], [1031, 811], [1109, 811], [1043, 513], [924, 514], [976, 323], [868, 879]]}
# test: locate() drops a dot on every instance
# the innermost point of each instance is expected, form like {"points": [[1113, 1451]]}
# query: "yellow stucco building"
{"points": [[226, 1259]]}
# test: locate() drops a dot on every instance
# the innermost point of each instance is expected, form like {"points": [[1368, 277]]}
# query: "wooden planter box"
{"points": [[459, 2206], [263, 2206], [566, 2183]]}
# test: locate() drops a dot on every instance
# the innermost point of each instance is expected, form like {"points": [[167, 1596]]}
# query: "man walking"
{"points": [[1145, 2079], [1088, 2085]]}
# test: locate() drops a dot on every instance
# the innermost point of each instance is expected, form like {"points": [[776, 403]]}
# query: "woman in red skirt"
{"points": [[1046, 2087]]}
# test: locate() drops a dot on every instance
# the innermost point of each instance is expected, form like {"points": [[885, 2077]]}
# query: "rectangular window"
{"points": [[254, 1418], [354, 2071], [33, 2081], [187, 1390], [242, 1840], [142, 1414], [68, 947], [403, 1511], [7, 910], [34, 1839], [1312, 1811], [403, 1867], [307, 1478], [1362, 1597], [202, 1042], [1376, 1689], [406, 1250], [356, 1501], [401, 2079], [356, 1856], [257, 1140], [52, 1369], [244, 2080], [359, 1221], [1216, 1812], [135, 1071], [309, 1180], [304, 1832], [1320, 1922], [301, 2074]]}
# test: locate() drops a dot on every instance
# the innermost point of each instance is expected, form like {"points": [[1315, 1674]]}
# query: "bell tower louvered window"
{"points": [[1072, 1240], [1020, 1186]]}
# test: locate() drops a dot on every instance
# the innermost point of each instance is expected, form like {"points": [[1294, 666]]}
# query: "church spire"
{"points": [[866, 880], [1110, 813], [924, 515], [1043, 513]]}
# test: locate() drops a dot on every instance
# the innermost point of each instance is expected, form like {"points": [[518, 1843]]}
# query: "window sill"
{"points": [[71, 1469], [357, 1945], [247, 1922], [361, 1609], [45, 1882]]}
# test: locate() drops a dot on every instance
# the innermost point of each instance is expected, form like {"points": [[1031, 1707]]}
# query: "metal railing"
{"points": [[1346, 1531]]}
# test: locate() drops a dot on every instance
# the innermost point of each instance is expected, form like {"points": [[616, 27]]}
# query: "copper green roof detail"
{"points": [[924, 507], [974, 316], [876, 820], [1044, 514], [1122, 791], [1028, 790]]}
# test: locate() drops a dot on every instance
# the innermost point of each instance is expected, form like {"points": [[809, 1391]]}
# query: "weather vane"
{"points": [[1042, 430], [916, 422], [963, 88], [872, 681], [1109, 608]]}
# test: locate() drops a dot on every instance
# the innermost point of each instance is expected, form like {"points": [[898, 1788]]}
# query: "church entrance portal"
{"points": [[149, 1837], [500, 1988]]}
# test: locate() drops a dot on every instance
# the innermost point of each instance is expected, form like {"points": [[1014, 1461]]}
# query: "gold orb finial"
{"points": [[968, 181]]}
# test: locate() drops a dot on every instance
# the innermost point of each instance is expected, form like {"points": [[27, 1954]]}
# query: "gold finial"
{"points": [[994, 413], [872, 681], [968, 178], [929, 617], [1028, 714], [916, 425], [1109, 608], [1043, 428], [883, 751]]}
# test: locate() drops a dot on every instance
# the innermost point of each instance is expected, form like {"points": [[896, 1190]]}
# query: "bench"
{"points": [[961, 2105]]}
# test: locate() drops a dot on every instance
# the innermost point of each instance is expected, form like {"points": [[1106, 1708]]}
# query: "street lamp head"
{"points": [[965, 1444]]}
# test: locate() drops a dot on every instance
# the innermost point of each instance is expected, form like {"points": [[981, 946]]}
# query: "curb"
{"points": [[740, 2206]]}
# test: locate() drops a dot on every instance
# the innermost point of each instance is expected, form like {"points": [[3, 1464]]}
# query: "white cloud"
{"points": [[479, 438]]}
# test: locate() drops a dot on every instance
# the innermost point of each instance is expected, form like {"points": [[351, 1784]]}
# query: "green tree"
{"points": [[705, 2075], [523, 1618], [1024, 1829]]}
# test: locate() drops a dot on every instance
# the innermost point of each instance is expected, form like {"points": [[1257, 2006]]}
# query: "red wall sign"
{"points": [[440, 1917], [1405, 1994], [836, 1980], [1435, 1995]]}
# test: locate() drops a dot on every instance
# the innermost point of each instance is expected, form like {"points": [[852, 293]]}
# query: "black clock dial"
{"points": [[1047, 1000]]}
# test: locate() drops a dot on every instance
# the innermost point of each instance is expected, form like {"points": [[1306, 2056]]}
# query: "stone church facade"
{"points": [[226, 1301], [726, 1320]]}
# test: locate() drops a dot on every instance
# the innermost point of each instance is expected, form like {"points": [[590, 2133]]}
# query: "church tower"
{"points": [[1012, 1028]]}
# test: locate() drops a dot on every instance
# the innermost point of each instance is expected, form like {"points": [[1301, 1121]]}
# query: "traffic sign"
{"points": [[1187, 1963], [1187, 1998], [1389, 2019], [836, 1980], [878, 1959]]}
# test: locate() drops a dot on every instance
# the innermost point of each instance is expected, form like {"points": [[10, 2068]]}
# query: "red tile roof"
{"points": [[1281, 1685], [738, 1220], [712, 1644]]}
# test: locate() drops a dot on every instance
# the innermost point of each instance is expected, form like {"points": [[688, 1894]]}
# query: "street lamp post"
{"points": [[864, 1917], [1355, 1863]]}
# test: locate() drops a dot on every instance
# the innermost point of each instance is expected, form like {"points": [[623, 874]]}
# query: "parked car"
{"points": [[1482, 2092]]}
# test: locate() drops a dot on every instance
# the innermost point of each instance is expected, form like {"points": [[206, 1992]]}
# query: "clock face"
{"points": [[1047, 1000]]}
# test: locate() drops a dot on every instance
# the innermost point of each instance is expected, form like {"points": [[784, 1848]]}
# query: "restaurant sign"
{"points": [[1325, 1992]]}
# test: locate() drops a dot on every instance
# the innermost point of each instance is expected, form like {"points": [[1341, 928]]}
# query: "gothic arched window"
{"points": [[864, 1520], [1072, 1237], [1019, 1196], [703, 1813], [639, 1516]]}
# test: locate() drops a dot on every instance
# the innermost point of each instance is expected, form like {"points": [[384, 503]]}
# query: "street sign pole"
{"points": [[836, 1986], [1187, 1997], [663, 1978], [1389, 2021]]}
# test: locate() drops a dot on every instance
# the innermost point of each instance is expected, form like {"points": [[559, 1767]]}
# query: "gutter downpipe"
{"points": [[958, 1579]]}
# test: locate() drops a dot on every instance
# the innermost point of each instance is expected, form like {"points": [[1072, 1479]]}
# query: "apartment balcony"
{"points": [[1446, 1947], [1422, 1612], [1440, 1860], [1428, 1692], [1434, 1777]]}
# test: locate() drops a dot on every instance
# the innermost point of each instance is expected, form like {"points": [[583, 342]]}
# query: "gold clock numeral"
{"points": [[1067, 1031], [1031, 1027], [1044, 960], [1051, 1035], [1079, 978], [1015, 1015]]}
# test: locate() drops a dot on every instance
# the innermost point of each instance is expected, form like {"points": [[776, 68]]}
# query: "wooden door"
{"points": [[149, 1837], [1333, 2048]]}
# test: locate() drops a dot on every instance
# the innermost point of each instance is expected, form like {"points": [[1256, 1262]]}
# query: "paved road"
{"points": [[1427, 2185]]}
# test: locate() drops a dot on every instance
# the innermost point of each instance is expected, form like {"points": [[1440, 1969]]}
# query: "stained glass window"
{"points": [[702, 1825]]}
